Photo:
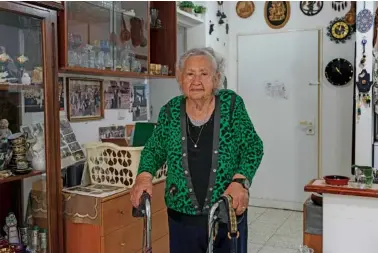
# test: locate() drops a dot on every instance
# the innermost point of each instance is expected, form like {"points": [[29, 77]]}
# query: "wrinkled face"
{"points": [[197, 78]]}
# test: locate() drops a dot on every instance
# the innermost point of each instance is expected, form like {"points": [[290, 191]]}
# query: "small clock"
{"points": [[339, 30], [339, 72]]}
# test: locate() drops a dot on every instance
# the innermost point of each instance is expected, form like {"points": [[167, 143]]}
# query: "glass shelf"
{"points": [[107, 36]]}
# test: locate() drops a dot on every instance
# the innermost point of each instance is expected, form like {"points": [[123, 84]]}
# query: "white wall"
{"points": [[336, 102], [364, 125]]}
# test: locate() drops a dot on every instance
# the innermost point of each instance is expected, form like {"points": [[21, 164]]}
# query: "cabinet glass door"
{"points": [[24, 123]]}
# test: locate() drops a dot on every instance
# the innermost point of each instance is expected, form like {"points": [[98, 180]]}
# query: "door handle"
{"points": [[305, 123]]}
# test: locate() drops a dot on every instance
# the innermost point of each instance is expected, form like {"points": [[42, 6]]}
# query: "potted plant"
{"points": [[187, 6], [199, 10]]}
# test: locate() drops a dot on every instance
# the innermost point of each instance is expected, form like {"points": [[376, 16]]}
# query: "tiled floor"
{"points": [[274, 230]]}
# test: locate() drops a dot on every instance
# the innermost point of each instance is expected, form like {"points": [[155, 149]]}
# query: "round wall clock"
{"points": [[311, 8], [339, 72], [245, 9], [339, 30], [277, 13]]}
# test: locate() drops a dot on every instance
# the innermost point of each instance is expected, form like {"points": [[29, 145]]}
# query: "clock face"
{"points": [[340, 30], [339, 72]]}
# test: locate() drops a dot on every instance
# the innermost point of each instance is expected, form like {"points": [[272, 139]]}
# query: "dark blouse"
{"points": [[199, 160]]}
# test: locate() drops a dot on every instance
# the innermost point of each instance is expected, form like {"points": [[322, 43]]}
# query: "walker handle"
{"points": [[141, 210]]}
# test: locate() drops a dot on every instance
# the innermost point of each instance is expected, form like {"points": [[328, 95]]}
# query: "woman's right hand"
{"points": [[142, 184]]}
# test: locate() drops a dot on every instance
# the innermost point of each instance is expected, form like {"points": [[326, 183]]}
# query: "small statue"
{"points": [[11, 227], [25, 80], [4, 130]]}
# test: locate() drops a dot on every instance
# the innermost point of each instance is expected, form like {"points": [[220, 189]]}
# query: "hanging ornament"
{"points": [[364, 83], [311, 8], [339, 5], [211, 28], [350, 16], [363, 59], [365, 20], [358, 109]]}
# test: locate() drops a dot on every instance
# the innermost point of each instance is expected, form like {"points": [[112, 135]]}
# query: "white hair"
{"points": [[217, 61]]}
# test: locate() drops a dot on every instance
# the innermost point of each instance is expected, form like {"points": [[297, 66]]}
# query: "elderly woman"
{"points": [[211, 148]]}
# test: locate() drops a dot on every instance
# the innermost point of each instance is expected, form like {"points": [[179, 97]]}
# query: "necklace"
{"points": [[199, 135]]}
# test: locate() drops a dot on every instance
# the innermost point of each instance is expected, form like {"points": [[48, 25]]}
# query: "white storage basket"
{"points": [[110, 164]]}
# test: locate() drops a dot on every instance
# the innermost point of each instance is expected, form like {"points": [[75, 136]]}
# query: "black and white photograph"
{"points": [[75, 146], [61, 93], [37, 129], [117, 95], [78, 155], [26, 130], [62, 141], [65, 152], [140, 112], [112, 132], [65, 127], [34, 100], [70, 138], [85, 99]]}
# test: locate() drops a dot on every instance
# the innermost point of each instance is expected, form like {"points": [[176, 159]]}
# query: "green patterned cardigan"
{"points": [[237, 149]]}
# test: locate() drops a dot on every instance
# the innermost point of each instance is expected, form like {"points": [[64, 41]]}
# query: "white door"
{"points": [[282, 119]]}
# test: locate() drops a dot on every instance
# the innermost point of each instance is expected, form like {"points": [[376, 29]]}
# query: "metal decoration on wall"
{"points": [[245, 9], [363, 58], [277, 13], [339, 31], [311, 8], [220, 13], [339, 5], [211, 28], [365, 20], [364, 83]]}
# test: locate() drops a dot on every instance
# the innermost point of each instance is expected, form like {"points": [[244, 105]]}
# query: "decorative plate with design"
{"points": [[277, 13], [245, 9], [365, 20]]}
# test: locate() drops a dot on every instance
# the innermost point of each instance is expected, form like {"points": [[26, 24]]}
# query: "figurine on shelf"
{"points": [[37, 75], [20, 61], [25, 80], [4, 131], [38, 153], [4, 59], [11, 229]]}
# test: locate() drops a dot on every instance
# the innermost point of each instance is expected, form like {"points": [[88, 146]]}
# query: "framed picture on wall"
{"points": [[85, 99]]}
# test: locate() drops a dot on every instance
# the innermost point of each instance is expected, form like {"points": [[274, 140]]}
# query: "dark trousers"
{"points": [[193, 239]]}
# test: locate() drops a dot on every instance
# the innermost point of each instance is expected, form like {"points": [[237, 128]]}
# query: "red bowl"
{"points": [[336, 180]]}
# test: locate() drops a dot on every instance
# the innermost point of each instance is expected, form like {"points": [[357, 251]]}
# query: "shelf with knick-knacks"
{"points": [[110, 38]]}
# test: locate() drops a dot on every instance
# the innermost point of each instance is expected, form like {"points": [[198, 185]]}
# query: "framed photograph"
{"points": [[117, 95], [112, 132], [34, 100], [84, 99], [140, 112]]}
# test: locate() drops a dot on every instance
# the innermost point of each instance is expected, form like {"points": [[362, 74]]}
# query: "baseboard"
{"points": [[267, 203]]}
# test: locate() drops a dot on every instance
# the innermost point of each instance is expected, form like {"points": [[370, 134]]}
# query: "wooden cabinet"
{"points": [[115, 38], [118, 231], [28, 101]]}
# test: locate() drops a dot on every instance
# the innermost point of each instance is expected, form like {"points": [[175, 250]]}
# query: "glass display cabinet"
{"points": [[114, 38], [29, 163]]}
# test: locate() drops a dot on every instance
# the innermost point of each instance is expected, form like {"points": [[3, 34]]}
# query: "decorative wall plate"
{"points": [[365, 20], [339, 5], [339, 30], [311, 8], [277, 13], [339, 72], [245, 9]]}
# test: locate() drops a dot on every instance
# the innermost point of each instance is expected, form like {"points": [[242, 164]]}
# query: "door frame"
{"points": [[320, 82]]}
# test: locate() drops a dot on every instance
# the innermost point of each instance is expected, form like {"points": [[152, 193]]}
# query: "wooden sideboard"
{"points": [[118, 231]]}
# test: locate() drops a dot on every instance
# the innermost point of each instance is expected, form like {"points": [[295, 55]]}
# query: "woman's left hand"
{"points": [[240, 197]]}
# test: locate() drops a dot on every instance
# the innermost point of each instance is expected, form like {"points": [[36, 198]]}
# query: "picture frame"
{"points": [[85, 99]]}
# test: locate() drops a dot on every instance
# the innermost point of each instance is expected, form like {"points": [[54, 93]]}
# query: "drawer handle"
{"points": [[123, 244], [121, 211]]}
